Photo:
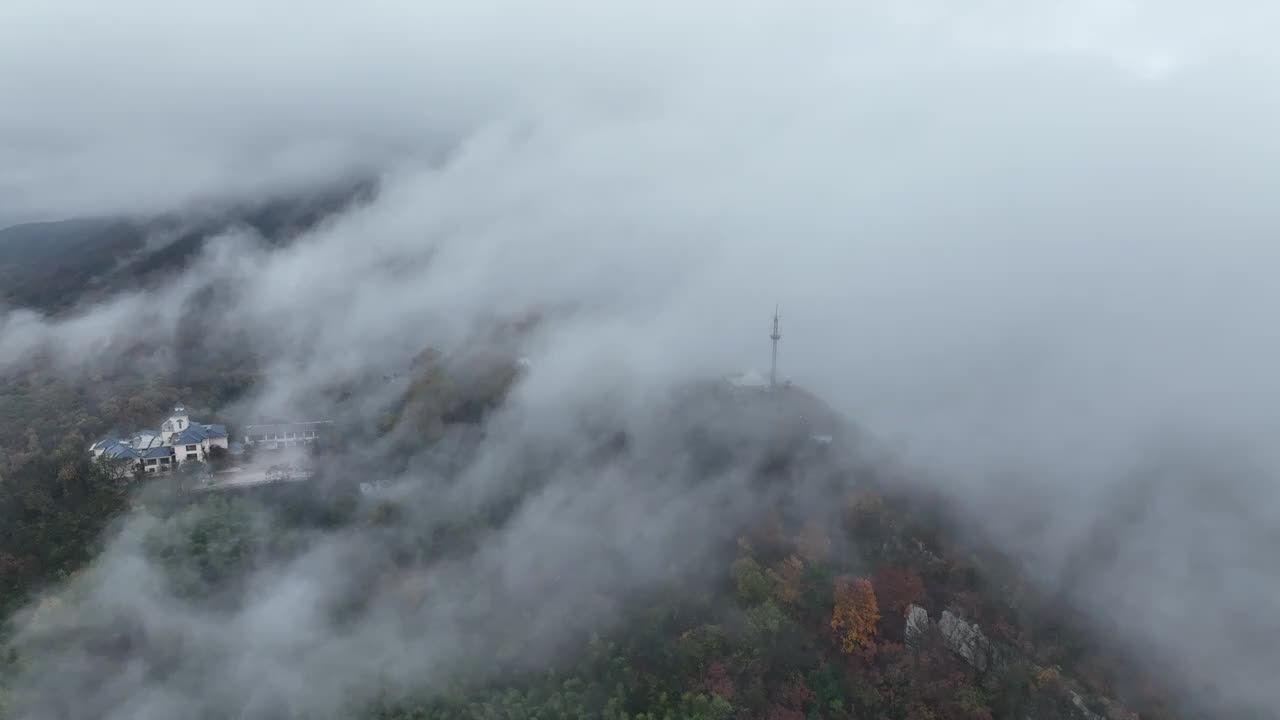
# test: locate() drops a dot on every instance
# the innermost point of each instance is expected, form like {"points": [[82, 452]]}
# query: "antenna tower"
{"points": [[775, 337]]}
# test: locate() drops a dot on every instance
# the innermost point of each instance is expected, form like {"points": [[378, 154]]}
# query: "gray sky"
{"points": [[1031, 236], [967, 215]]}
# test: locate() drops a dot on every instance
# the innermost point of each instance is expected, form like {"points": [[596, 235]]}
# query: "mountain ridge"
{"points": [[58, 265]]}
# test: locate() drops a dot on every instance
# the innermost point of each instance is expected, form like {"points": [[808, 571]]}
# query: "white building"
{"points": [[176, 423], [179, 440], [154, 459], [192, 440]]}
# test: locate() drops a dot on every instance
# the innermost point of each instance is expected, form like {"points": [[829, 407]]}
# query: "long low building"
{"points": [[277, 436]]}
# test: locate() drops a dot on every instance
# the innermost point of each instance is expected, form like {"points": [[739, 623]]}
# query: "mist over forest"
{"points": [[523, 260]]}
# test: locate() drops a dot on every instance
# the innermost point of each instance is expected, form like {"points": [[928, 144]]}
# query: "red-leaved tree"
{"points": [[897, 589]]}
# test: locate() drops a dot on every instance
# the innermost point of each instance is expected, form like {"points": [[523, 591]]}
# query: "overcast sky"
{"points": [[968, 215], [1004, 234]]}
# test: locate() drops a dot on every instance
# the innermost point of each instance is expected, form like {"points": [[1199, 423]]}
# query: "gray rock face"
{"points": [[917, 625], [1084, 709], [966, 640]]}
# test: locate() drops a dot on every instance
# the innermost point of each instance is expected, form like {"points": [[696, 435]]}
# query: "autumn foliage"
{"points": [[788, 580], [855, 615], [717, 680], [897, 589]]}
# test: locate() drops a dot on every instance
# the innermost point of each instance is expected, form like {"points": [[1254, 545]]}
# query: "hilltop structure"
{"points": [[754, 381], [179, 440], [775, 336]]}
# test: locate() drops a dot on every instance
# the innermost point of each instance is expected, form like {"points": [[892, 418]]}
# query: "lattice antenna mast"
{"points": [[775, 337]]}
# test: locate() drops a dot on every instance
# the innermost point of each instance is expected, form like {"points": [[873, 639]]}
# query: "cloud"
{"points": [[1014, 238], [326, 619]]}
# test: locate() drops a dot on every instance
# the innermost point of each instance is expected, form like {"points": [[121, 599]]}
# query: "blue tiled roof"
{"points": [[147, 444], [119, 451], [190, 436], [198, 433], [145, 439]]}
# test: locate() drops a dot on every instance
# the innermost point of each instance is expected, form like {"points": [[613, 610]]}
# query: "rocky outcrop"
{"points": [[1080, 705], [962, 638], [917, 626], [966, 640]]}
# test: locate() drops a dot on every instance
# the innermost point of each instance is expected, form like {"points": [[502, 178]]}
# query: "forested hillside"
{"points": [[54, 502], [815, 586]]}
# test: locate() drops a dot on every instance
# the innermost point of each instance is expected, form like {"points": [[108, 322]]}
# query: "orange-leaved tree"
{"points": [[855, 615]]}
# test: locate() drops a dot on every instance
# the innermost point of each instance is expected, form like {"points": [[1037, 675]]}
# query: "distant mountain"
{"points": [[53, 266], [49, 265]]}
